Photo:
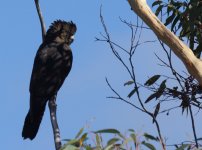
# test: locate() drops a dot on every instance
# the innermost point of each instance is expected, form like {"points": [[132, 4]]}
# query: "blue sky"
{"points": [[82, 99]]}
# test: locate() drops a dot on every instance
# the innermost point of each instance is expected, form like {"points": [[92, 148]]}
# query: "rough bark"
{"points": [[183, 52]]}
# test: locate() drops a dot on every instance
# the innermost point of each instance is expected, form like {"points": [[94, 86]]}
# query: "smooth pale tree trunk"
{"points": [[183, 52]]}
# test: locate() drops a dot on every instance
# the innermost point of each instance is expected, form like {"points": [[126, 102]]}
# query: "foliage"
{"points": [[180, 90], [117, 141], [186, 17]]}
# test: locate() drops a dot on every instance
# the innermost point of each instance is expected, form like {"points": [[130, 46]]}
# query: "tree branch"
{"points": [[56, 132], [193, 126], [43, 27], [130, 69], [185, 54]]}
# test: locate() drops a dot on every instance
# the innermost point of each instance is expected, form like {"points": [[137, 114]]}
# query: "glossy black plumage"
{"points": [[52, 64]]}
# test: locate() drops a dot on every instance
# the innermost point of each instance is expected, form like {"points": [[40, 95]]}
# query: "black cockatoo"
{"points": [[52, 64]]}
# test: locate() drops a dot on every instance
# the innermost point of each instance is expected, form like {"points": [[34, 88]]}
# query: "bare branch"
{"points": [[43, 27], [56, 132], [120, 98], [134, 44]]}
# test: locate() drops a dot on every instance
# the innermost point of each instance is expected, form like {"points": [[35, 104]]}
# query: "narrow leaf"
{"points": [[128, 83], [83, 138], [109, 147], [150, 137], [152, 96], [169, 19], [98, 141], [175, 22], [156, 111], [162, 86], [156, 3], [133, 136], [132, 92], [158, 10], [108, 131], [131, 130], [79, 133], [152, 80], [112, 141], [148, 145]]}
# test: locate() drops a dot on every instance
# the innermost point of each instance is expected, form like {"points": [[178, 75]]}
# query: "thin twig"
{"points": [[111, 45], [106, 40], [175, 73], [193, 126], [136, 26], [43, 27], [120, 98]]}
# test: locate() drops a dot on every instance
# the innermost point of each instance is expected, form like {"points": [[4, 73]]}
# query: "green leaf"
{"points": [[98, 141], [109, 147], [132, 92], [175, 22], [156, 111], [152, 80], [169, 19], [83, 138], [108, 131], [112, 141], [148, 145], [131, 130], [152, 96], [158, 10], [128, 83], [156, 3], [150, 137], [79, 133], [162, 87], [133, 136]]}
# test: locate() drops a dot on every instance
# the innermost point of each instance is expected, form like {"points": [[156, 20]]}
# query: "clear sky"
{"points": [[82, 99]]}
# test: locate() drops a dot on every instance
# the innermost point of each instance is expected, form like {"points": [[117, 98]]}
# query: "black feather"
{"points": [[52, 64]]}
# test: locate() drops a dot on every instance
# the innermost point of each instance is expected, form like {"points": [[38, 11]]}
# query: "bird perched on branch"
{"points": [[52, 64]]}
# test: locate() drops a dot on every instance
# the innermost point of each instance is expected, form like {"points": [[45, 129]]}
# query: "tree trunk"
{"points": [[183, 52]]}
